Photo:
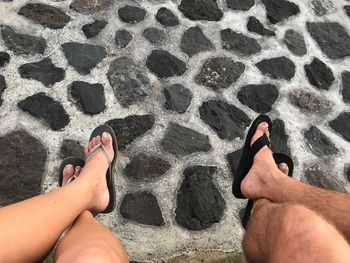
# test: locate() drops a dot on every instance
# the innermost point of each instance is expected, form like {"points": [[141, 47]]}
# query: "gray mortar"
{"points": [[156, 243]]}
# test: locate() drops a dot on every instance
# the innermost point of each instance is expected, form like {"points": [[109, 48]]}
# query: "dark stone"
{"points": [[317, 176], [4, 58], [93, 29], [347, 9], [254, 25], [178, 98], [310, 102], [194, 41], [131, 14], [22, 166], [295, 42], [123, 38], [239, 43], [318, 143], [154, 35], [164, 65], [3, 86], [45, 108], [199, 202], [279, 10], [22, 43], [319, 74], [342, 125], [332, 38], [322, 7], [259, 98], [243, 5], [43, 71], [233, 160], [143, 208], [182, 141], [201, 10], [71, 148], [131, 127], [45, 15], [90, 6], [277, 68], [83, 57], [129, 81], [228, 121], [166, 17], [346, 86], [279, 137], [89, 97], [220, 73], [145, 167], [347, 172]]}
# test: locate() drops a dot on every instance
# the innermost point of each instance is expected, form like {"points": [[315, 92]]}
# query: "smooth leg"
{"points": [[90, 241], [292, 233]]}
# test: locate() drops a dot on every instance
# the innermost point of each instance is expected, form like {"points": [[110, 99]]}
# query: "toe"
{"points": [[68, 170], [283, 168], [77, 171], [106, 138], [261, 129], [86, 149], [98, 139]]}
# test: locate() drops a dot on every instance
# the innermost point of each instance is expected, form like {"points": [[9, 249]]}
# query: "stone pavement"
{"points": [[180, 82]]}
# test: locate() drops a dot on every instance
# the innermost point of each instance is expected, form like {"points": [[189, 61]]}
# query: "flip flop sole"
{"points": [[69, 160], [110, 173], [246, 160]]}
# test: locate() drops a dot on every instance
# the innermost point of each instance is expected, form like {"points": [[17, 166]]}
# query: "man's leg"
{"points": [[90, 241], [292, 233]]}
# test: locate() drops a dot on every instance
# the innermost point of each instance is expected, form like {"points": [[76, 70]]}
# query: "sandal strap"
{"points": [[259, 143], [97, 147], [72, 178]]}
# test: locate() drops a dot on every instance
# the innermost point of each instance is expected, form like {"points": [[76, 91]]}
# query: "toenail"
{"points": [[283, 166], [78, 168], [105, 134]]}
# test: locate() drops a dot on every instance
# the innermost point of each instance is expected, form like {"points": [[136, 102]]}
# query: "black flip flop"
{"points": [[110, 172], [279, 158], [69, 160], [248, 153]]}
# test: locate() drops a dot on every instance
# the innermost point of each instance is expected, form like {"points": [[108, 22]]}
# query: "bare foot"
{"points": [[262, 175], [70, 171], [95, 171]]}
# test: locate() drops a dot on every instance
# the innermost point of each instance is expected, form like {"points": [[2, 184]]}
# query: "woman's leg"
{"points": [[29, 229]]}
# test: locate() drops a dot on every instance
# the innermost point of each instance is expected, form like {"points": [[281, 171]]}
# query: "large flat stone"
{"points": [[341, 125], [194, 41], [71, 148], [255, 26], [233, 160], [3, 86], [279, 138], [90, 6], [319, 74], [277, 68], [280, 10], [318, 143], [295, 42], [346, 86], [178, 98], [4, 58], [166, 17], [94, 28], [243, 5], [239, 43], [131, 14], [201, 10]]}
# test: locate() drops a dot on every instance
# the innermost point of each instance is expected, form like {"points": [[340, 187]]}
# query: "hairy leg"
{"points": [[90, 241], [292, 233], [29, 229], [265, 180]]}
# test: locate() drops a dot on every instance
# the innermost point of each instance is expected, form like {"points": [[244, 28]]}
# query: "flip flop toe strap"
{"points": [[97, 147], [259, 143], [72, 178]]}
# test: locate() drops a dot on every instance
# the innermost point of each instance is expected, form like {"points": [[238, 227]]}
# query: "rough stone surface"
{"points": [[90, 6], [178, 98], [310, 102], [94, 28], [243, 5], [4, 58], [209, 257], [71, 148], [277, 68], [239, 43], [182, 141], [279, 138], [45, 15], [280, 10], [332, 38], [194, 41], [131, 14], [142, 207], [347, 9], [341, 125], [346, 86], [295, 42], [43, 71], [201, 10], [319, 74], [146, 168], [166, 17], [322, 7], [233, 160], [123, 38], [259, 98], [129, 82], [22, 165], [45, 108], [89, 97], [228, 121], [130, 128], [254, 25], [154, 35], [22, 43], [165, 65], [347, 172], [319, 143], [83, 57], [3, 86], [220, 73], [199, 202]]}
